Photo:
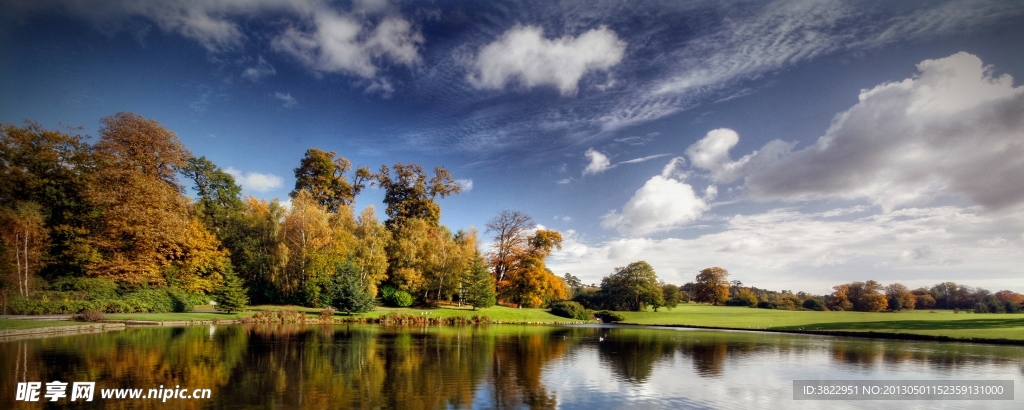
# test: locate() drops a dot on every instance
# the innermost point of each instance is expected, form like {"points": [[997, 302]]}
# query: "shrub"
{"points": [[90, 315], [765, 305], [609, 316], [740, 302], [151, 300], [570, 309], [814, 304], [327, 313], [395, 297], [93, 288]]}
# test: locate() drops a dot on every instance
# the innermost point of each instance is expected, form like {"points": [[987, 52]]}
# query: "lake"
{"points": [[497, 366]]}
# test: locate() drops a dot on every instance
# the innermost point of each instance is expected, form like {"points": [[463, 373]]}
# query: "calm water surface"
{"points": [[506, 366]]}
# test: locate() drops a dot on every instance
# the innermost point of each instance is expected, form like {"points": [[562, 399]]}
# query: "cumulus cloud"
{"points": [[287, 99], [523, 54], [954, 129], [337, 43], [665, 202], [255, 181], [598, 162]]}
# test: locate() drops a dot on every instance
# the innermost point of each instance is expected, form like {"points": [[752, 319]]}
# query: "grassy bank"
{"points": [[495, 314], [927, 323], [14, 324]]}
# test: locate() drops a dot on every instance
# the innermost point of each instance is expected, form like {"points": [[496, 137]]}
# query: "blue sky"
{"points": [[797, 144]]}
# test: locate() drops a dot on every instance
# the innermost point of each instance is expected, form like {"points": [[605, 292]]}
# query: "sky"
{"points": [[797, 144]]}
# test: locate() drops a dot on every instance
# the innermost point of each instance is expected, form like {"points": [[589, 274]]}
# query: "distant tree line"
{"points": [[871, 296]]}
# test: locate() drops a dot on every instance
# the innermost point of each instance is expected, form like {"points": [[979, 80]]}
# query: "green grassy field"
{"points": [[12, 324], [930, 323]]}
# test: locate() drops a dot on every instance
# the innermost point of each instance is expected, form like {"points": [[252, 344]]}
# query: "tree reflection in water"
{"points": [[370, 366]]}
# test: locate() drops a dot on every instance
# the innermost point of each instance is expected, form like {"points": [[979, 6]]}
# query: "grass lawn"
{"points": [[931, 323], [496, 313], [11, 324]]}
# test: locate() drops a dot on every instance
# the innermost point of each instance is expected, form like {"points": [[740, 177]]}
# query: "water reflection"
{"points": [[369, 366]]}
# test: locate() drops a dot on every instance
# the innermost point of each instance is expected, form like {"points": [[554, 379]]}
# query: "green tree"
{"points": [[632, 287], [712, 286], [323, 174], [573, 283], [54, 170], [230, 297], [219, 200], [670, 294], [410, 195], [347, 292], [479, 286]]}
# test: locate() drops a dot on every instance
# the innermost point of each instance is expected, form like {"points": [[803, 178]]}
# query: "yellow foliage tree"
{"points": [[143, 216]]}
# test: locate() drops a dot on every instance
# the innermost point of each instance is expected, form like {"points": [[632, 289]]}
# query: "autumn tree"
{"points": [[924, 298], [258, 250], [712, 286], [23, 239], [867, 296], [306, 232], [525, 279], [323, 175], [632, 287], [409, 256], [409, 194], [512, 231], [143, 215], [371, 249], [899, 297]]}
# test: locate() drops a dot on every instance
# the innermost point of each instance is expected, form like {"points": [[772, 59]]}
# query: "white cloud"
{"points": [[335, 44], [260, 70], [952, 130], [321, 37], [643, 159], [665, 202], [790, 249], [563, 181], [523, 54], [465, 184], [255, 181], [598, 162], [288, 100]]}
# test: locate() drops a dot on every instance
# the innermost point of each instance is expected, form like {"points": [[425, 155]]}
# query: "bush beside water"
{"points": [[74, 295]]}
